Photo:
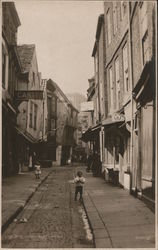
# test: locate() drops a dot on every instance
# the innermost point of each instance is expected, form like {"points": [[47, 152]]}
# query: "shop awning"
{"points": [[97, 127], [143, 82], [90, 134]]}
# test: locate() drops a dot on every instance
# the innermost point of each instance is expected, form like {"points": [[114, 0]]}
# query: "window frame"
{"points": [[35, 116], [145, 52], [111, 87], [123, 7], [31, 115], [117, 82], [125, 68], [109, 27], [115, 23]]}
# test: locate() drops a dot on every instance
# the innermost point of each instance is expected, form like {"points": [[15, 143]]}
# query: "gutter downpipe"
{"points": [[131, 86]]}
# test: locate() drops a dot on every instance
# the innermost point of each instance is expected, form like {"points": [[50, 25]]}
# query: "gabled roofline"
{"points": [[98, 30], [34, 52], [63, 95], [15, 14]]}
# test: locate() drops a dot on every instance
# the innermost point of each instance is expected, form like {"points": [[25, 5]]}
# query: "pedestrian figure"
{"points": [[79, 180], [37, 170], [89, 162], [30, 163], [34, 158]]}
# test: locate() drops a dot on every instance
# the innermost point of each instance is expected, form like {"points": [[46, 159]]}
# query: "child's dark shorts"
{"points": [[79, 189]]}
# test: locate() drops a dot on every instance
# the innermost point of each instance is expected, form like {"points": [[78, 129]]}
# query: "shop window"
{"points": [[145, 48]]}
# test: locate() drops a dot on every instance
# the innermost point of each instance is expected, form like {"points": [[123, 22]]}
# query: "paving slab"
{"points": [[103, 243], [124, 221], [16, 192], [100, 233]]}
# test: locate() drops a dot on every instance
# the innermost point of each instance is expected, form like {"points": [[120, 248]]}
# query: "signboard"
{"points": [[87, 106], [118, 117], [25, 95]]}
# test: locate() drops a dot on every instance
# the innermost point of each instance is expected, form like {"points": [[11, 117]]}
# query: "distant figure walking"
{"points": [[37, 170], [79, 180], [89, 162]]}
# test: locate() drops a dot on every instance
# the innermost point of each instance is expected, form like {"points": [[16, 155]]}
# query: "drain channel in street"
{"points": [[89, 235]]}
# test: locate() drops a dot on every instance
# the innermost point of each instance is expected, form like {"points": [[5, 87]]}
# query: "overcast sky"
{"points": [[64, 35]]}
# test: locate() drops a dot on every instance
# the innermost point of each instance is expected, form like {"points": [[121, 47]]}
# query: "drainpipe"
{"points": [[131, 85]]}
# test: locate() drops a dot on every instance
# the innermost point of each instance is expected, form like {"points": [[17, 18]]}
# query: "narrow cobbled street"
{"points": [[51, 219]]}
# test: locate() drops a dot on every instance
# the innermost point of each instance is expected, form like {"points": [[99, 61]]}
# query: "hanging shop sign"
{"points": [[25, 95], [118, 117]]}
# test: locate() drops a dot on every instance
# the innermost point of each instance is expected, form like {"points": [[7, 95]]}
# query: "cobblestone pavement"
{"points": [[52, 218]]}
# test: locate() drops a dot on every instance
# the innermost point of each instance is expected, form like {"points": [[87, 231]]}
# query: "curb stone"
{"points": [[100, 235]]}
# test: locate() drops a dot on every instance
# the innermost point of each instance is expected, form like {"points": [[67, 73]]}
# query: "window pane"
{"points": [[35, 116], [125, 68], [111, 88], [117, 82], [109, 26], [115, 16], [145, 47]]}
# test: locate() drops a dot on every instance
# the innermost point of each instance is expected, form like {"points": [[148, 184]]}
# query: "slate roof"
{"points": [[25, 52]]}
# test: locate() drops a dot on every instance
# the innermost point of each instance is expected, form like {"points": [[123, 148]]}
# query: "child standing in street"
{"points": [[79, 180], [37, 170]]}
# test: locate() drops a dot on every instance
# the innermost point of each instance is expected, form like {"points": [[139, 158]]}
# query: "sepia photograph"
{"points": [[78, 124]]}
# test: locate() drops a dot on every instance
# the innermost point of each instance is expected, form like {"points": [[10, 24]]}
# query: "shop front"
{"points": [[113, 149], [144, 95]]}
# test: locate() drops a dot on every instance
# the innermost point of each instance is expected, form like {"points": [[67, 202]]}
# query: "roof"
{"points": [[61, 92], [25, 52], [100, 22], [99, 25], [13, 12]]}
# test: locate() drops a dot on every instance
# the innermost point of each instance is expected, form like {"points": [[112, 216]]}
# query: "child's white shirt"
{"points": [[79, 181], [38, 169]]}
